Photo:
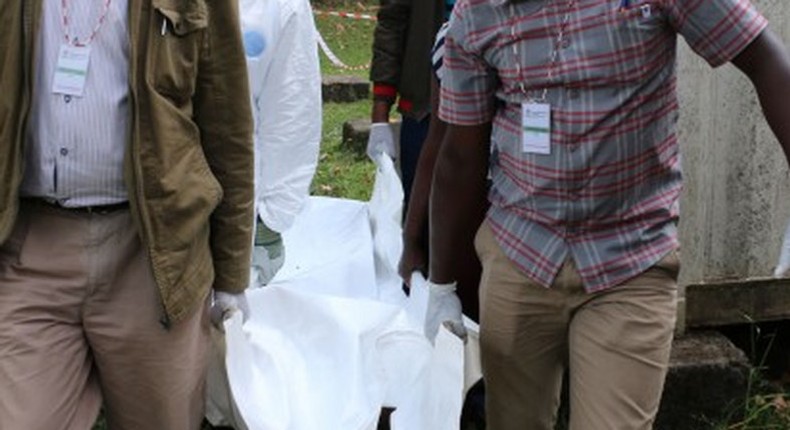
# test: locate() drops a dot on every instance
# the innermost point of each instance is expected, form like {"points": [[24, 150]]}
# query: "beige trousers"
{"points": [[615, 345], [80, 327]]}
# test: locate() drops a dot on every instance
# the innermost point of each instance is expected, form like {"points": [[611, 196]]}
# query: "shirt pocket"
{"points": [[640, 18], [178, 39], [529, 7], [640, 40]]}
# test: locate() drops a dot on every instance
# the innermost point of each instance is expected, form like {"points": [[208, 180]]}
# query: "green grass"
{"points": [[341, 171], [349, 39], [766, 405]]}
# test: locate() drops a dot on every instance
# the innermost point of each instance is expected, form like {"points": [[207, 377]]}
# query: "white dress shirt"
{"points": [[75, 145]]}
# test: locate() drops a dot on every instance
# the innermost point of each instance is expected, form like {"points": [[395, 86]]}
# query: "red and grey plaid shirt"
{"points": [[607, 195]]}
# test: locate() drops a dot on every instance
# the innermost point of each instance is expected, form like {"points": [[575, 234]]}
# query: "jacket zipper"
{"points": [[136, 188]]}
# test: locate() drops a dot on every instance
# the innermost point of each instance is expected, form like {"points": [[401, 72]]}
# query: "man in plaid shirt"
{"points": [[579, 247]]}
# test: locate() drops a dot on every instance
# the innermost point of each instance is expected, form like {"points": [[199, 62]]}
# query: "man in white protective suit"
{"points": [[285, 84]]}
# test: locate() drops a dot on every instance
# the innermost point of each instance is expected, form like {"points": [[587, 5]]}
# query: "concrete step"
{"points": [[356, 133], [728, 302], [344, 89], [708, 377]]}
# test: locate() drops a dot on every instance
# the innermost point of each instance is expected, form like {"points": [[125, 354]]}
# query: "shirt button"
{"points": [[566, 43], [64, 152], [574, 94], [67, 98]]}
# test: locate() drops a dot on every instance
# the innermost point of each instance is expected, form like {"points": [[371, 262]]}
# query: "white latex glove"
{"points": [[225, 304], [268, 255], [783, 265], [444, 307], [381, 139]]}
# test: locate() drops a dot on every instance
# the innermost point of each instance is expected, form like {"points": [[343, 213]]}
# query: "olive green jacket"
{"points": [[189, 160], [402, 43]]}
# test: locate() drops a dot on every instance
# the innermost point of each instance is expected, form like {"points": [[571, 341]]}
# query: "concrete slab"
{"points": [[357, 131], [721, 303], [344, 89], [707, 378], [355, 135]]}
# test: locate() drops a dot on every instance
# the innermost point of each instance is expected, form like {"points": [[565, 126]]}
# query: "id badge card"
{"points": [[71, 70], [536, 128]]}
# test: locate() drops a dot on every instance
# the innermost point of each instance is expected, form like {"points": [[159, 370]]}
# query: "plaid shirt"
{"points": [[607, 195]]}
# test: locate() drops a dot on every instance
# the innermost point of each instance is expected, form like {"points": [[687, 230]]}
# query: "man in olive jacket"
{"points": [[126, 197]]}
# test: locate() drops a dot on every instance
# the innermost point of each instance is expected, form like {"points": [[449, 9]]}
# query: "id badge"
{"points": [[71, 70], [536, 128]]}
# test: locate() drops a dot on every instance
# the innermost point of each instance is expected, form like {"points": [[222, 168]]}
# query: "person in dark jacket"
{"points": [[401, 73]]}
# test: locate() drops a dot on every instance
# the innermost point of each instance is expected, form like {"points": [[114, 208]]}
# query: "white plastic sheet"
{"points": [[333, 338]]}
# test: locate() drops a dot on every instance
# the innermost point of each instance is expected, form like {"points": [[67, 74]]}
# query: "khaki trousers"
{"points": [[615, 345], [80, 326]]}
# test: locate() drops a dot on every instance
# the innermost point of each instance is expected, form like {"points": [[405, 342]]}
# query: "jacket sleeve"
{"points": [[288, 114], [389, 41], [222, 112]]}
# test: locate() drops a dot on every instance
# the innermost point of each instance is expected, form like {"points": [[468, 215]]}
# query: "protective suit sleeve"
{"points": [[288, 107]]}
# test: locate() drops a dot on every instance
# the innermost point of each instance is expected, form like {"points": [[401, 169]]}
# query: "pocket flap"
{"points": [[183, 16]]}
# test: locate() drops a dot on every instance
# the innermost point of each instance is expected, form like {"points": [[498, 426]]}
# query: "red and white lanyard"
{"points": [[553, 66], [74, 41]]}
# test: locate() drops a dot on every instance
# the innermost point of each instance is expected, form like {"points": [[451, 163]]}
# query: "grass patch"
{"points": [[766, 404], [342, 172], [765, 407], [349, 39]]}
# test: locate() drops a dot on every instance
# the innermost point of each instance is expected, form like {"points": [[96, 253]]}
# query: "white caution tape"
{"points": [[333, 58], [349, 15]]}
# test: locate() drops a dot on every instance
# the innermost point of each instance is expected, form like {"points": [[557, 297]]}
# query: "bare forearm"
{"points": [[417, 216], [416, 224], [380, 111], [459, 190], [767, 63]]}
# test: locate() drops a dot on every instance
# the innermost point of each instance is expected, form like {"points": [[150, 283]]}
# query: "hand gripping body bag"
{"points": [[332, 339]]}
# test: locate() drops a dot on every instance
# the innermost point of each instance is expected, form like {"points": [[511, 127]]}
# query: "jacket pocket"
{"points": [[189, 194], [178, 37]]}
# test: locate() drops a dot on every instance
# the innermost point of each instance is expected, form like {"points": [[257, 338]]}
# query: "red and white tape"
{"points": [[349, 15], [333, 58]]}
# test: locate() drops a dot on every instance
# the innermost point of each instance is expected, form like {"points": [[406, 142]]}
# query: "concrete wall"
{"points": [[737, 196]]}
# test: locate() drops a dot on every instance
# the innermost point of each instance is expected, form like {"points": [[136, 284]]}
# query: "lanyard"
{"points": [[550, 74], [66, 23]]}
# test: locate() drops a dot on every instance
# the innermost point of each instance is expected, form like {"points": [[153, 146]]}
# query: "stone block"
{"points": [[344, 89], [737, 302], [707, 379], [356, 133]]}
